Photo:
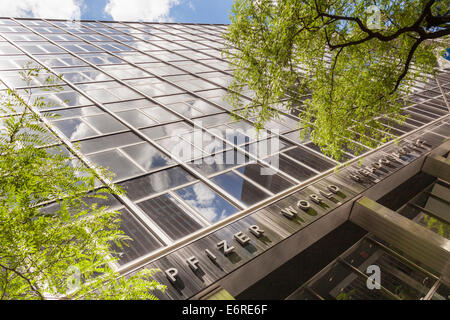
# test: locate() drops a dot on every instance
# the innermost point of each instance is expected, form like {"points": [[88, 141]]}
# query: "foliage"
{"points": [[337, 64], [63, 250]]}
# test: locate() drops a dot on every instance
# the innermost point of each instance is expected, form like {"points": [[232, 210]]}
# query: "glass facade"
{"points": [[146, 100]]}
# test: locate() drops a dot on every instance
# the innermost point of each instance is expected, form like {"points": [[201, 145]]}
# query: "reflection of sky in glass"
{"points": [[75, 129], [211, 206], [240, 188], [115, 162], [156, 182], [147, 156]]}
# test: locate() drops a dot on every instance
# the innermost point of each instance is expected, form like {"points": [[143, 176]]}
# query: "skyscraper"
{"points": [[205, 194]]}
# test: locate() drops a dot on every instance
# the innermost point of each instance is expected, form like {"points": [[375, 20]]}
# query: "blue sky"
{"points": [[196, 11]]}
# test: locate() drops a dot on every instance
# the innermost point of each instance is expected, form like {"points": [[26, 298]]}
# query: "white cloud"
{"points": [[57, 9], [140, 10]]}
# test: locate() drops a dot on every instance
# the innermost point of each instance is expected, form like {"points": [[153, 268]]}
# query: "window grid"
{"points": [[137, 48]]}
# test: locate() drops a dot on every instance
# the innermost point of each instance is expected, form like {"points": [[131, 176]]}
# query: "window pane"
{"points": [[170, 216], [240, 188], [105, 123], [290, 167], [310, 159], [75, 129], [136, 119], [219, 162], [210, 205], [156, 182], [147, 156], [113, 141], [143, 241], [266, 177], [117, 163]]}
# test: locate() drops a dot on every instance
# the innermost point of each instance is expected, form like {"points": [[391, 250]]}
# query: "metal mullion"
{"points": [[105, 181], [187, 59], [310, 149], [164, 106], [426, 211], [102, 135], [194, 213], [215, 174], [432, 290], [163, 251], [160, 193], [212, 153], [86, 123], [443, 93], [137, 132], [196, 41], [417, 106], [390, 127], [419, 114], [73, 107], [129, 158], [390, 135], [438, 134], [281, 137], [256, 184], [181, 45], [190, 143], [179, 67], [130, 205], [358, 143], [146, 173], [361, 274], [437, 197], [311, 291], [301, 163], [111, 148], [400, 257]]}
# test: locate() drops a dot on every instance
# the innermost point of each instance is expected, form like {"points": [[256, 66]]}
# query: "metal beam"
{"points": [[404, 234]]}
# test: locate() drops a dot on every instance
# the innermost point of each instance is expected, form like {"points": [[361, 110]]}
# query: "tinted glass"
{"points": [[143, 241], [310, 159], [290, 167], [119, 164], [240, 188], [210, 205], [266, 177], [147, 156], [156, 182], [75, 129], [165, 211]]}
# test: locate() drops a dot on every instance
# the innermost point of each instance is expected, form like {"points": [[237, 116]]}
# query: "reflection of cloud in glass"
{"points": [[74, 129], [210, 205], [147, 156]]}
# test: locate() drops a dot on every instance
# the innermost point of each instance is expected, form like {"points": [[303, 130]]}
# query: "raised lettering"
{"points": [[171, 274], [242, 238], [193, 262], [384, 161], [327, 195], [355, 177], [225, 248], [376, 165], [333, 188], [304, 205], [364, 172], [315, 198], [256, 231], [210, 255], [289, 212]]}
